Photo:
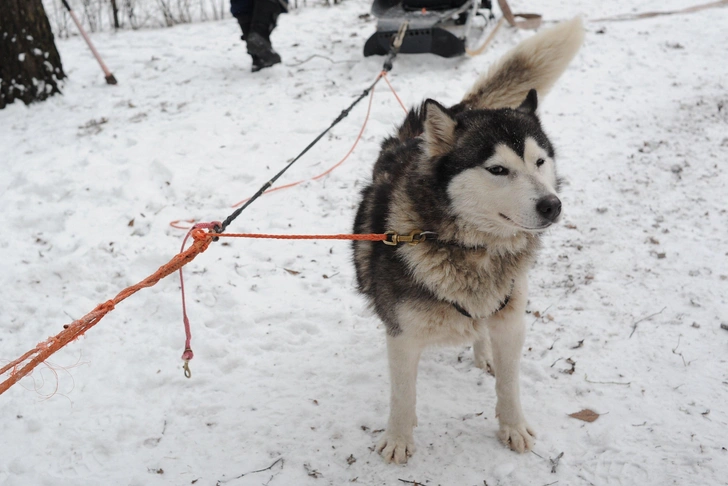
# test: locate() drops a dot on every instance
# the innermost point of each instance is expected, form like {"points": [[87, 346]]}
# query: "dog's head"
{"points": [[496, 166]]}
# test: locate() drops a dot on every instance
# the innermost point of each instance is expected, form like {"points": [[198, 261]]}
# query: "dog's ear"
{"points": [[530, 104], [439, 128]]}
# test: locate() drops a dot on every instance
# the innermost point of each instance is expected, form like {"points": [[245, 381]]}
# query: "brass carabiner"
{"points": [[413, 238], [186, 367]]}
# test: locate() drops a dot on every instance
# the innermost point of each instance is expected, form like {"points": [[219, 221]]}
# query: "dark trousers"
{"points": [[242, 8]]}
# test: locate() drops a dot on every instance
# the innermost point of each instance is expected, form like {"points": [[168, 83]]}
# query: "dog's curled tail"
{"points": [[535, 63]]}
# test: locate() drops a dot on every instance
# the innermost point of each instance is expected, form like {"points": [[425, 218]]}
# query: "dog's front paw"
{"points": [[518, 437], [396, 447]]}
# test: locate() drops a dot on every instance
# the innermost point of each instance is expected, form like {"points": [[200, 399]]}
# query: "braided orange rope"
{"points": [[365, 237], [78, 327]]}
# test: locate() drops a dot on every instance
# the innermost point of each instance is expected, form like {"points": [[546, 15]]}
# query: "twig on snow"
{"points": [[413, 483], [634, 326], [317, 55], [674, 351], [314, 473], [272, 477], [554, 463], [280, 459], [580, 344], [586, 378], [541, 314]]}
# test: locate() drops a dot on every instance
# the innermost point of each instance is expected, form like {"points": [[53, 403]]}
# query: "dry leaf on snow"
{"points": [[586, 415]]}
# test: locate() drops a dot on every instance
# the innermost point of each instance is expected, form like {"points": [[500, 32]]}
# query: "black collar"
{"points": [[503, 304]]}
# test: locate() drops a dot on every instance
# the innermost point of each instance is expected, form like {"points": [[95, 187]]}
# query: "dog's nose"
{"points": [[549, 207]]}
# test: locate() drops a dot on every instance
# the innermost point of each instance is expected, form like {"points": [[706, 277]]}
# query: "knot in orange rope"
{"points": [[199, 234]]}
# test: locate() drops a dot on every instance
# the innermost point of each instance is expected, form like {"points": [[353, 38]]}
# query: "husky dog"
{"points": [[476, 183]]}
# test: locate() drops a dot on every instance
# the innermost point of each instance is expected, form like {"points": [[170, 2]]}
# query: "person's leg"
{"points": [[265, 15], [242, 10], [244, 22]]}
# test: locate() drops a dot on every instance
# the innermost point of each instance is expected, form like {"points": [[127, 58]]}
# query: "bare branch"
{"points": [[586, 378], [555, 463], [280, 459], [674, 351], [634, 326]]}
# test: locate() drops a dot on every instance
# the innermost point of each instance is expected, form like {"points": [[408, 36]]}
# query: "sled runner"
{"points": [[442, 27]]}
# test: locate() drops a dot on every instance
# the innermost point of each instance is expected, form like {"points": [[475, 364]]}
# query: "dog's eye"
{"points": [[497, 170], [540, 162]]}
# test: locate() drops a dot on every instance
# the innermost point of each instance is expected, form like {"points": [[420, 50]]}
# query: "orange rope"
{"points": [[78, 327], [176, 223], [384, 75], [364, 237]]}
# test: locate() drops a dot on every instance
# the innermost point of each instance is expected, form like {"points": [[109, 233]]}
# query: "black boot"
{"points": [[265, 14], [244, 21], [261, 51]]}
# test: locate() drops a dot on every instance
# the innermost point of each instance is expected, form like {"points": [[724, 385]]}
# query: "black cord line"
{"points": [[386, 68]]}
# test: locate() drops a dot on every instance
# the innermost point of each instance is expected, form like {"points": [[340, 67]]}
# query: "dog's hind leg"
{"points": [[507, 333], [483, 352], [398, 443]]}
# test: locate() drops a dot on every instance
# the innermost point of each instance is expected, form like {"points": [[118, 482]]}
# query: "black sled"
{"points": [[440, 27]]}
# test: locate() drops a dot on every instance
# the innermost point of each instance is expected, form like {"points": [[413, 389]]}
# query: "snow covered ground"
{"points": [[289, 362]]}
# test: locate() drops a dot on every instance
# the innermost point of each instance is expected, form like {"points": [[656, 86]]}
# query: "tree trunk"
{"points": [[115, 11], [30, 66]]}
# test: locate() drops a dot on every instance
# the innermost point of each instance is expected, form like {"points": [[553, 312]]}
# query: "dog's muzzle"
{"points": [[549, 207]]}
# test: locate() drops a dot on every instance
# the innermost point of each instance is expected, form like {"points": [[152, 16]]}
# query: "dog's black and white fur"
{"points": [[480, 177]]}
